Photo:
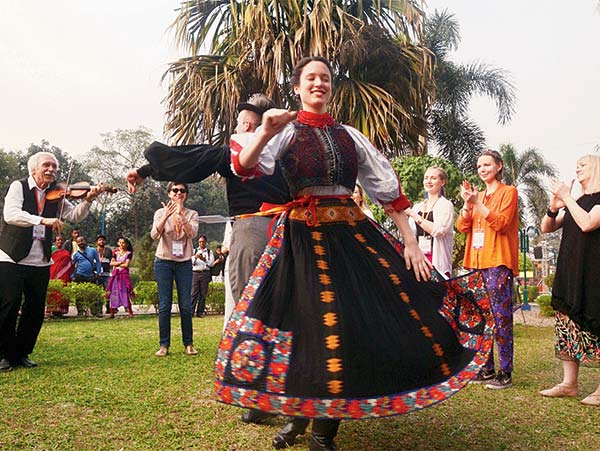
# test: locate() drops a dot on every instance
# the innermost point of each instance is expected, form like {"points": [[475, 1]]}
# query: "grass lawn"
{"points": [[99, 387]]}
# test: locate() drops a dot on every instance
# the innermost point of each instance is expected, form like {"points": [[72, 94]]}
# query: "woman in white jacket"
{"points": [[434, 221]]}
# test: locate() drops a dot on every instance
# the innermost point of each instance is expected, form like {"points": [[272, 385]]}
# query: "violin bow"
{"points": [[62, 204]]}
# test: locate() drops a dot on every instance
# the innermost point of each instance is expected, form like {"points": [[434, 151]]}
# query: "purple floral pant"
{"points": [[499, 283]]}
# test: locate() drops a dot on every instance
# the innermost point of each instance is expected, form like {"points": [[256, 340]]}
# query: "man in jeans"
{"points": [[87, 269], [105, 255]]}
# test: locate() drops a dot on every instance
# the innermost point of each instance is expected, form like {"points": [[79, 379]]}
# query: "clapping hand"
{"points": [[560, 192]]}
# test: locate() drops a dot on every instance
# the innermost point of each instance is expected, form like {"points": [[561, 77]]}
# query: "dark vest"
{"points": [[17, 241], [320, 157]]}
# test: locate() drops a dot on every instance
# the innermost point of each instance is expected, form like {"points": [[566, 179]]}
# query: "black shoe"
{"points": [[501, 381], [5, 365], [256, 416], [320, 443], [483, 377], [287, 436], [323, 433], [25, 362]]}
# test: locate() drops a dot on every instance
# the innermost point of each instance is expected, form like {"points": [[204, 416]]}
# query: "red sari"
{"points": [[61, 269]]}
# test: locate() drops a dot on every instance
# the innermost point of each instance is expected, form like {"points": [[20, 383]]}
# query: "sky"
{"points": [[72, 70]]}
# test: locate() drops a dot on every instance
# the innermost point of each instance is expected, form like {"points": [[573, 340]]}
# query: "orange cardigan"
{"points": [[501, 231]]}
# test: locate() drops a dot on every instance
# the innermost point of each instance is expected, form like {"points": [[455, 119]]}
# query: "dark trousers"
{"points": [[19, 282], [200, 281]]}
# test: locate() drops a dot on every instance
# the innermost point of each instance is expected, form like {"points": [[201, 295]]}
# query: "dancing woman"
{"points": [[335, 323]]}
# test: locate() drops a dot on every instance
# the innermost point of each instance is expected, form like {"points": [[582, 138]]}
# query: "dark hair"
{"points": [[497, 158], [127, 243], [203, 236], [300, 65], [172, 184], [100, 236]]}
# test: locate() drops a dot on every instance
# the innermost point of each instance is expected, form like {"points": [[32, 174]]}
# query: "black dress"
{"points": [[576, 290], [332, 324]]}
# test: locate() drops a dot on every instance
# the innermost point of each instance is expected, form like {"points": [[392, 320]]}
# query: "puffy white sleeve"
{"points": [[375, 173], [443, 218], [270, 153]]}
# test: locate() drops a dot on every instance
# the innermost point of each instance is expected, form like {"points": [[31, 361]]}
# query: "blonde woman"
{"points": [[434, 221], [576, 290]]}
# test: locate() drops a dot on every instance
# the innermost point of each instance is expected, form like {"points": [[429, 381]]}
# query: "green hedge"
{"points": [[215, 299], [543, 301], [146, 294], [88, 297]]}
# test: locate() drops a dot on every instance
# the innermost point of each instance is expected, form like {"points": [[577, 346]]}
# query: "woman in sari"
{"points": [[119, 291], [61, 269]]}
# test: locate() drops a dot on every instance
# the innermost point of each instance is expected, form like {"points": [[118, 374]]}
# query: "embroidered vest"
{"points": [[320, 157], [17, 241]]}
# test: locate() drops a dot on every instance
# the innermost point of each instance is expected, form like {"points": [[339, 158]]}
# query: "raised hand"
{"points": [[133, 180]]}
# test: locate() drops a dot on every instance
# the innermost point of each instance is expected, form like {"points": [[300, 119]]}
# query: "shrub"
{"points": [[215, 299], [549, 280], [146, 293], [532, 293], [543, 301], [88, 297]]}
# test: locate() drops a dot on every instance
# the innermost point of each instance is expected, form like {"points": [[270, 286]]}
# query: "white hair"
{"points": [[34, 160]]}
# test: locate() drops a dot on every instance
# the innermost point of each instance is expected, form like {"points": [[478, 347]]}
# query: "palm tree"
{"points": [[384, 81], [459, 138], [527, 171]]}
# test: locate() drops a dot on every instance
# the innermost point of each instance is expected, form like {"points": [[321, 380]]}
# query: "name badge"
{"points": [[177, 248], [478, 237], [39, 232], [426, 244]]}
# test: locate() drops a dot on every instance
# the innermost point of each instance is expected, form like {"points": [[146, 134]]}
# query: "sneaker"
{"points": [[483, 377], [501, 381]]}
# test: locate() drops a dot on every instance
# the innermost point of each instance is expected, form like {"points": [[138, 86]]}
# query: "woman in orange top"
{"points": [[491, 223]]}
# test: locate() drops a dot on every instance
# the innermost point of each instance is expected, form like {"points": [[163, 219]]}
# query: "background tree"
{"points": [[384, 80], [125, 214], [459, 138], [9, 171], [528, 171]]}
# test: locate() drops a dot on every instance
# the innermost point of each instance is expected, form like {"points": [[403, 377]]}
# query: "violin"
{"points": [[77, 191]]}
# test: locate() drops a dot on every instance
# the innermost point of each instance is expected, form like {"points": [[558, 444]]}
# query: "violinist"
{"points": [[26, 227]]}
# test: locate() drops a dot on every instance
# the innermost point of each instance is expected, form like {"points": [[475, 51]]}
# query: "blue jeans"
{"points": [[165, 271]]}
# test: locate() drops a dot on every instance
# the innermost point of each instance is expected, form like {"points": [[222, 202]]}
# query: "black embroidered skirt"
{"points": [[333, 325]]}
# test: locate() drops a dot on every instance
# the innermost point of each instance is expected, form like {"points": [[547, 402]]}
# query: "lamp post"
{"points": [[525, 234]]}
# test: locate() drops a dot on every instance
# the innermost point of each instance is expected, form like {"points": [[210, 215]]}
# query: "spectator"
{"points": [[358, 196], [71, 245], [87, 269], [218, 266], [202, 262], [490, 220], [61, 269], [119, 290], [434, 221], [576, 289], [174, 227], [105, 253]]}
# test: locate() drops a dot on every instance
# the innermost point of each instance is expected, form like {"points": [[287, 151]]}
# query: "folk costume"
{"points": [[331, 324]]}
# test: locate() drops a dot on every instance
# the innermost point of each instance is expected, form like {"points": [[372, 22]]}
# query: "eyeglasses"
{"points": [[179, 190]]}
